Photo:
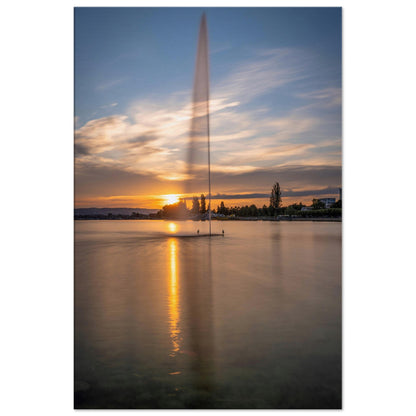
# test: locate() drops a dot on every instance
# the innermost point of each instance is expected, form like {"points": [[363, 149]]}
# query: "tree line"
{"points": [[199, 208]]}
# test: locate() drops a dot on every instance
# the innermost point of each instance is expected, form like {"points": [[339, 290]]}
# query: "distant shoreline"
{"points": [[216, 219]]}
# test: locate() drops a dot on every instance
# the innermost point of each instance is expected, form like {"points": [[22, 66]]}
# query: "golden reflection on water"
{"points": [[173, 299]]}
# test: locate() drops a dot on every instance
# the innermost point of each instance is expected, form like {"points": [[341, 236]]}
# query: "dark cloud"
{"points": [[285, 193], [306, 177], [239, 196], [80, 149], [141, 140], [236, 196], [311, 192]]}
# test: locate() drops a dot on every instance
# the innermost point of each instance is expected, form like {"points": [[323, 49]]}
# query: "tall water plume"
{"points": [[199, 147]]}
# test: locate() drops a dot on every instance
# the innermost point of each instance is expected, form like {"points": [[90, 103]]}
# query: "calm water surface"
{"points": [[249, 320]]}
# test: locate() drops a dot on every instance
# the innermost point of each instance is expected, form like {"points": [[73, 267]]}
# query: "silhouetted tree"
{"points": [[275, 197], [203, 208], [253, 211], [195, 205], [296, 207], [317, 204], [337, 204]]}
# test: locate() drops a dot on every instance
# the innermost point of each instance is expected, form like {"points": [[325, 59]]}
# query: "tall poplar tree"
{"points": [[203, 209], [275, 197]]}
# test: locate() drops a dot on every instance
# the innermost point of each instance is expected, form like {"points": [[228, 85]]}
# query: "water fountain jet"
{"points": [[199, 142]]}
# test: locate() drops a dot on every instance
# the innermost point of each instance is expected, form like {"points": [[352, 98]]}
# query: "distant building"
{"points": [[340, 194], [327, 201], [306, 209]]}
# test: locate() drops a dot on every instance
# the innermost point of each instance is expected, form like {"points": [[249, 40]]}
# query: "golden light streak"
{"points": [[173, 300]]}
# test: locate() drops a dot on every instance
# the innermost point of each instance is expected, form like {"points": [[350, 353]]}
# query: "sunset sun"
{"points": [[171, 199]]}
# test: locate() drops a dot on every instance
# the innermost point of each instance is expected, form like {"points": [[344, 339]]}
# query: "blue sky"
{"points": [[275, 92]]}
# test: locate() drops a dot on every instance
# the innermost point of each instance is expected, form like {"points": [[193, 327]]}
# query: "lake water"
{"points": [[248, 320]]}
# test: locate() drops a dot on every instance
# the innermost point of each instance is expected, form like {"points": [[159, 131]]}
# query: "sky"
{"points": [[275, 104]]}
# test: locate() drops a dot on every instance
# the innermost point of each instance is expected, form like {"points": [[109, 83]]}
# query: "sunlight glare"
{"points": [[172, 227], [171, 198]]}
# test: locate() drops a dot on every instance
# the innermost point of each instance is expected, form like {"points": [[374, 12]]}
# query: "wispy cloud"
{"points": [[333, 95], [323, 98], [109, 106], [109, 84], [220, 48], [151, 138], [269, 70]]}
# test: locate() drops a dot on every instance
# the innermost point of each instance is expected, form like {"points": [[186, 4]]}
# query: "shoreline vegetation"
{"points": [[317, 211], [147, 217]]}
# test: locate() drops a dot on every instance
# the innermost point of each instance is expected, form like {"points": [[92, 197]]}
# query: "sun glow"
{"points": [[172, 227], [171, 199]]}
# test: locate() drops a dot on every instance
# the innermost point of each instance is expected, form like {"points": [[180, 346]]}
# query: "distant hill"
{"points": [[114, 211]]}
